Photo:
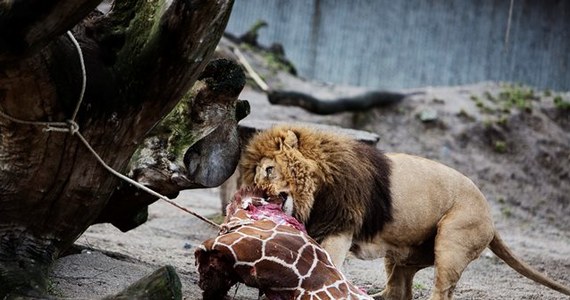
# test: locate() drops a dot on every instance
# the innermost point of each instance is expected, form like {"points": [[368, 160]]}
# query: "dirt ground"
{"points": [[520, 159]]}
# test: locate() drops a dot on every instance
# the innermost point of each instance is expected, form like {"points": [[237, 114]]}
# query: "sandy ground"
{"points": [[527, 185]]}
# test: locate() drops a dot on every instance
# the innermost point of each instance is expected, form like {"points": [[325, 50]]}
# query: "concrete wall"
{"points": [[412, 43]]}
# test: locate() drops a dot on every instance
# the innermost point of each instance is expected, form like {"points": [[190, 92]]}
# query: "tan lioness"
{"points": [[412, 211]]}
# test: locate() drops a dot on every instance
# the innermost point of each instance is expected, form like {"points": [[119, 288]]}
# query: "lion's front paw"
{"points": [[389, 295], [378, 296]]}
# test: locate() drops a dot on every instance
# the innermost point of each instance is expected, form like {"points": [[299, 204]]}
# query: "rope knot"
{"points": [[73, 127], [69, 126]]}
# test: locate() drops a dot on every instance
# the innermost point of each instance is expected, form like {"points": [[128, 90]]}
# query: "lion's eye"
{"points": [[269, 171]]}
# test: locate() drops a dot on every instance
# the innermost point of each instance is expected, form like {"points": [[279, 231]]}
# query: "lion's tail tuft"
{"points": [[500, 249]]}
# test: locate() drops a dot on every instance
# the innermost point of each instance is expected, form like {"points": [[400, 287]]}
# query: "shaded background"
{"points": [[403, 44]]}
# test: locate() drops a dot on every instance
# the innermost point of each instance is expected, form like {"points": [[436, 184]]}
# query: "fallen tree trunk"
{"points": [[141, 58], [315, 105]]}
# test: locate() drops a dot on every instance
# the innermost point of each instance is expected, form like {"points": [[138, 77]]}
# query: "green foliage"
{"points": [[506, 212], [273, 61], [500, 146], [481, 104], [504, 207], [276, 62], [464, 114], [419, 286], [502, 120], [140, 26], [561, 104], [517, 96], [175, 128], [489, 96], [511, 97], [497, 108]]}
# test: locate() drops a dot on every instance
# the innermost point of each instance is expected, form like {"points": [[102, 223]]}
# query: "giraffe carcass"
{"points": [[265, 248]]}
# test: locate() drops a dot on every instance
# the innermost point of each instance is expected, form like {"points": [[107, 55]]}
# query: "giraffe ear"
{"points": [[291, 140]]}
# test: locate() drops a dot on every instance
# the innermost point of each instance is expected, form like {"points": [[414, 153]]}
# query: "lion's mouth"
{"points": [[283, 196], [287, 204]]}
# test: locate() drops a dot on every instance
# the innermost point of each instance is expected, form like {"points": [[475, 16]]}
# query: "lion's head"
{"points": [[337, 181], [275, 161]]}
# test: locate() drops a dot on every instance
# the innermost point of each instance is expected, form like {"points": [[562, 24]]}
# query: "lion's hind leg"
{"points": [[460, 239]]}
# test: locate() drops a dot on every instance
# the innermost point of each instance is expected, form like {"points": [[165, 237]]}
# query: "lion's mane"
{"points": [[338, 184]]}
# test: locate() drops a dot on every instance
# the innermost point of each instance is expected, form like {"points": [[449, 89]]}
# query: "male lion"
{"points": [[412, 211]]}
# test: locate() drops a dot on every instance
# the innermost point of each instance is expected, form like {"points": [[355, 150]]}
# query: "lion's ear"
{"points": [[291, 139]]}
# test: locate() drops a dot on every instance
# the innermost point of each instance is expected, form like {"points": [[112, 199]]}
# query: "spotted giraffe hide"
{"points": [[264, 250]]}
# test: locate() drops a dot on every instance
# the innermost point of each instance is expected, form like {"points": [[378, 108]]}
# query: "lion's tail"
{"points": [[502, 251]]}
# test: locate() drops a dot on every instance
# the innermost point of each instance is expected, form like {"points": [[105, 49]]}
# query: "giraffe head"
{"points": [[259, 204], [250, 196]]}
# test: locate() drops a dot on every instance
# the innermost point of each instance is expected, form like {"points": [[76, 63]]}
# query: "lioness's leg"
{"points": [[460, 239], [337, 246], [399, 281]]}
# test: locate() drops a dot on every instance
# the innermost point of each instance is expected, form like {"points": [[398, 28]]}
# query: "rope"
{"points": [[73, 128], [262, 85], [83, 74], [35, 123]]}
